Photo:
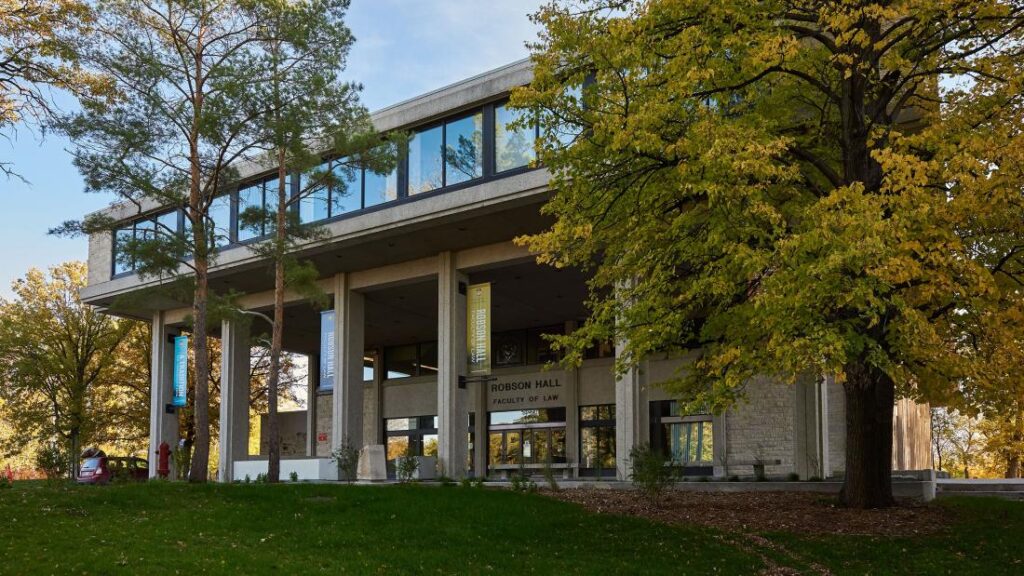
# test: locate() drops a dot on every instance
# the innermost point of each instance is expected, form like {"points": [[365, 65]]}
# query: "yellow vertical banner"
{"points": [[478, 329]]}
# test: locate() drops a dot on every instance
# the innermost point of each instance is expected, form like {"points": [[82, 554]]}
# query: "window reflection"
{"points": [[513, 148], [219, 219], [464, 151], [425, 161], [597, 440], [250, 198], [346, 193], [526, 437]]}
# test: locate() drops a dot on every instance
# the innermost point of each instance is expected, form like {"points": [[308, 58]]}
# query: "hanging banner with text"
{"points": [[327, 350], [179, 380], [478, 329]]}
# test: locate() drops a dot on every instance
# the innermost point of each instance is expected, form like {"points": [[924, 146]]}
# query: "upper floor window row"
{"points": [[469, 147]]}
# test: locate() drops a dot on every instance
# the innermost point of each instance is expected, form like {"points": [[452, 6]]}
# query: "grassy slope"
{"points": [[168, 528], [987, 539]]}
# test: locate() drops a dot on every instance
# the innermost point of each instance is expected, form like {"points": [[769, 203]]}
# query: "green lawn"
{"points": [[254, 529]]}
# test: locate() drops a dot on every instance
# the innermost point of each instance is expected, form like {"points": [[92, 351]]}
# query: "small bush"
{"points": [[406, 468], [248, 480], [523, 483], [793, 477], [652, 471], [466, 482], [182, 457], [261, 478], [293, 476], [549, 476], [814, 479], [52, 461], [347, 459], [734, 478]]}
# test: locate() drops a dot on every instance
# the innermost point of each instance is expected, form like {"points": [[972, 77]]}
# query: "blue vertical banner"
{"points": [[327, 350], [180, 379]]}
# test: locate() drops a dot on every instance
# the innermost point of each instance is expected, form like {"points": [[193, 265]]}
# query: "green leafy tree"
{"points": [[314, 111], [187, 74], [790, 188], [39, 41], [58, 362]]}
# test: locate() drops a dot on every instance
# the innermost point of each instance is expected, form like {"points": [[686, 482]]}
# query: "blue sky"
{"points": [[403, 48]]}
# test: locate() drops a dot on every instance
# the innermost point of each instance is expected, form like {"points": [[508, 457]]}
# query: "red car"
{"points": [[103, 469]]}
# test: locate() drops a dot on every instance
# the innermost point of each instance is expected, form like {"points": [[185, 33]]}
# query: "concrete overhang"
{"points": [[416, 227]]}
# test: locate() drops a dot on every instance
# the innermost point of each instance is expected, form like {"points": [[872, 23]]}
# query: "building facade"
{"points": [[388, 360]]}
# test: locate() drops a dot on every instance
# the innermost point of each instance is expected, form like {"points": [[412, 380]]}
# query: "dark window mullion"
{"points": [[490, 148], [444, 154]]}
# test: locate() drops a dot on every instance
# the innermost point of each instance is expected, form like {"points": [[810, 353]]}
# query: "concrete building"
{"points": [[388, 362]]}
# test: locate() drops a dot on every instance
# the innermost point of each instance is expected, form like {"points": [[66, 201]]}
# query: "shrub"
{"points": [[261, 478], [52, 461], [652, 470], [521, 482], [406, 468], [793, 477], [293, 476], [182, 457], [347, 459], [734, 478]]}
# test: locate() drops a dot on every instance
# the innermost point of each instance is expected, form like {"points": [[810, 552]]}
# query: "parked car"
{"points": [[103, 469]]}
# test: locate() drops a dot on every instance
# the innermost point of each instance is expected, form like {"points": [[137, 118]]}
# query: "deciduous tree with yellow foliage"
{"points": [[791, 187]]}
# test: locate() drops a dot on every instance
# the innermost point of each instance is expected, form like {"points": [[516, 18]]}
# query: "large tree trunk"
{"points": [[1013, 468], [870, 396], [273, 379], [199, 472]]}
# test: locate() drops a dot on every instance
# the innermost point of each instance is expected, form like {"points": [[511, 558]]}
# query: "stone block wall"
{"points": [[762, 427]]}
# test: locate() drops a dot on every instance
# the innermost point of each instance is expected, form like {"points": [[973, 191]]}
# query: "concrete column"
{"points": [[347, 404], [452, 409], [235, 369], [376, 426], [163, 425], [312, 383], [720, 449], [572, 412], [823, 426], [480, 440], [808, 450], [630, 406]]}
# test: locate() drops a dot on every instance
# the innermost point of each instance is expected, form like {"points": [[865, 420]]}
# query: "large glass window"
{"points": [[519, 347], [151, 228], [410, 360], [425, 167], [219, 218], [347, 192], [416, 436], [513, 148], [122, 261], [464, 149], [249, 198], [526, 437], [688, 439], [597, 440]]}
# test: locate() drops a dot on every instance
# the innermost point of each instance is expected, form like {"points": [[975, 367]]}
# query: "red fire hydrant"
{"points": [[163, 468]]}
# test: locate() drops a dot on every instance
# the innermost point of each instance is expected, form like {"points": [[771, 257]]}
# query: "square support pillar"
{"points": [[347, 401], [163, 425], [630, 409], [312, 383], [452, 402], [808, 449], [235, 370]]}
